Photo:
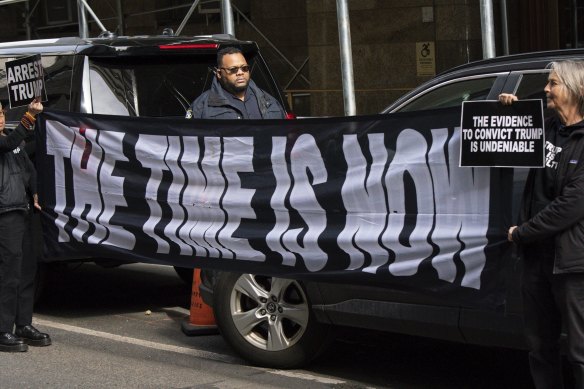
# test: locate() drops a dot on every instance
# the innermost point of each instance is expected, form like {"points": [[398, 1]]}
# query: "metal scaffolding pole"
{"points": [[505, 27], [93, 15], [488, 29], [227, 17], [83, 27], [346, 57], [120, 12], [187, 17]]}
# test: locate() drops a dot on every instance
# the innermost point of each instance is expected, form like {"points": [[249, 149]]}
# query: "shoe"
{"points": [[32, 336], [10, 343]]}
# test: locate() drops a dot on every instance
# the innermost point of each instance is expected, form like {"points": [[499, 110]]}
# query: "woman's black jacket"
{"points": [[17, 173], [563, 218]]}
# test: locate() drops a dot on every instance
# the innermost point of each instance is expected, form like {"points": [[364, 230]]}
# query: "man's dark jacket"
{"points": [[563, 218], [17, 173], [214, 104]]}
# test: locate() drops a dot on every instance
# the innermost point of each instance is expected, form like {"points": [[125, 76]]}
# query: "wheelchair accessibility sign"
{"points": [[425, 59]]}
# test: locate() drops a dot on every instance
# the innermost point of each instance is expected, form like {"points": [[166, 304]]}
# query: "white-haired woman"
{"points": [[551, 234]]}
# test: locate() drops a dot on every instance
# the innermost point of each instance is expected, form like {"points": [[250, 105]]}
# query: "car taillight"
{"points": [[189, 46], [290, 115]]}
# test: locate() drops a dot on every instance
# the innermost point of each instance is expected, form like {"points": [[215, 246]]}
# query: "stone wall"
{"points": [[384, 34]]}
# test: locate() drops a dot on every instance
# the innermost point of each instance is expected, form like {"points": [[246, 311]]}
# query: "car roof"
{"points": [[127, 45], [503, 64], [533, 60]]}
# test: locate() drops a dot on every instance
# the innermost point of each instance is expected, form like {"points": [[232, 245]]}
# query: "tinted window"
{"points": [[161, 86], [531, 86], [452, 94]]}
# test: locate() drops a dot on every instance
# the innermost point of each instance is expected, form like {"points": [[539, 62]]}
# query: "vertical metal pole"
{"points": [[505, 27], [575, 24], [487, 28], [120, 12], [83, 29], [27, 20], [227, 17], [346, 57]]}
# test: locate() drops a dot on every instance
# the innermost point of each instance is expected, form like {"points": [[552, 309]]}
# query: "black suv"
{"points": [[155, 76], [312, 307]]}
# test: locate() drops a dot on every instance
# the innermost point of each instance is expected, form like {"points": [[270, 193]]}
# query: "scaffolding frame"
{"points": [[226, 11]]}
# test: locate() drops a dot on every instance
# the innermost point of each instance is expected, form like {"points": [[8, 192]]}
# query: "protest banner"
{"points": [[372, 200], [497, 135]]}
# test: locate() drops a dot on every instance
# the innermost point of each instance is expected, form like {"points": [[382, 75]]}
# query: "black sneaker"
{"points": [[32, 336], [11, 344]]}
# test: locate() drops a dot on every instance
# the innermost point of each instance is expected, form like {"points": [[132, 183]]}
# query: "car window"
{"points": [[158, 87], [161, 86], [452, 94], [531, 87]]}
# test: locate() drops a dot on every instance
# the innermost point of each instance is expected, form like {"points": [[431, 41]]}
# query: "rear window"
{"points": [[158, 86], [452, 94]]}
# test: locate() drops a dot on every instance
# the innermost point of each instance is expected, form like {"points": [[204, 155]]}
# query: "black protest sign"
{"points": [[493, 134], [25, 80]]}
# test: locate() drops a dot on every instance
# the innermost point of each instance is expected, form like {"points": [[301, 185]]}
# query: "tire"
{"points": [[250, 310]]}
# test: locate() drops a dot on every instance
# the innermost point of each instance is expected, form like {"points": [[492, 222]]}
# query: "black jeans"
{"points": [[12, 227], [550, 303], [26, 288]]}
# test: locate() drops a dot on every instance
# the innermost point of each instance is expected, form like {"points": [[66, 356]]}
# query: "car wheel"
{"points": [[268, 320]]}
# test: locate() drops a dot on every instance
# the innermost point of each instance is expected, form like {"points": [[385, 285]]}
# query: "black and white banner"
{"points": [[375, 199]]}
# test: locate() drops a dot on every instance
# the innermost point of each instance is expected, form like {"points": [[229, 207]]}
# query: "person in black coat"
{"points": [[17, 188], [233, 95], [551, 234]]}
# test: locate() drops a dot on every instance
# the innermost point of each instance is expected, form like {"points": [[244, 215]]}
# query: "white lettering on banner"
{"points": [[306, 157], [174, 195], [193, 193], [277, 202], [60, 140], [112, 191], [91, 171], [365, 202], [149, 150], [237, 158], [461, 196], [410, 157], [402, 209]]}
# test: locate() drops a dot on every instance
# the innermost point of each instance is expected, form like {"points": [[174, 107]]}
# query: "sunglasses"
{"points": [[235, 69]]}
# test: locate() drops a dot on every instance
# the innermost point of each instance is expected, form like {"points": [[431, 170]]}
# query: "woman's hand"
{"points": [[507, 98], [35, 107], [510, 233], [35, 201]]}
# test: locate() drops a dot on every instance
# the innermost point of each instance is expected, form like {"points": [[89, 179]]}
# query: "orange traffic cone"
{"points": [[201, 319]]}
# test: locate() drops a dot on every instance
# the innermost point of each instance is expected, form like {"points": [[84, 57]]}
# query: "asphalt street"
{"points": [[120, 328]]}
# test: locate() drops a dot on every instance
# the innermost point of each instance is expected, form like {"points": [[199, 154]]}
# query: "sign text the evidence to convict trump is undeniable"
{"points": [[493, 134]]}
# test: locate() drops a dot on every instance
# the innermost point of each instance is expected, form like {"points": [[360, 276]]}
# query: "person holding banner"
{"points": [[551, 234], [17, 187], [233, 95]]}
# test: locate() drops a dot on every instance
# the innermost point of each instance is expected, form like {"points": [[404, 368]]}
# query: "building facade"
{"points": [[396, 44]]}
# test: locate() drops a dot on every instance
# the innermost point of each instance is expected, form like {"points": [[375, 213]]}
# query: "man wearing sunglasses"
{"points": [[233, 95]]}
